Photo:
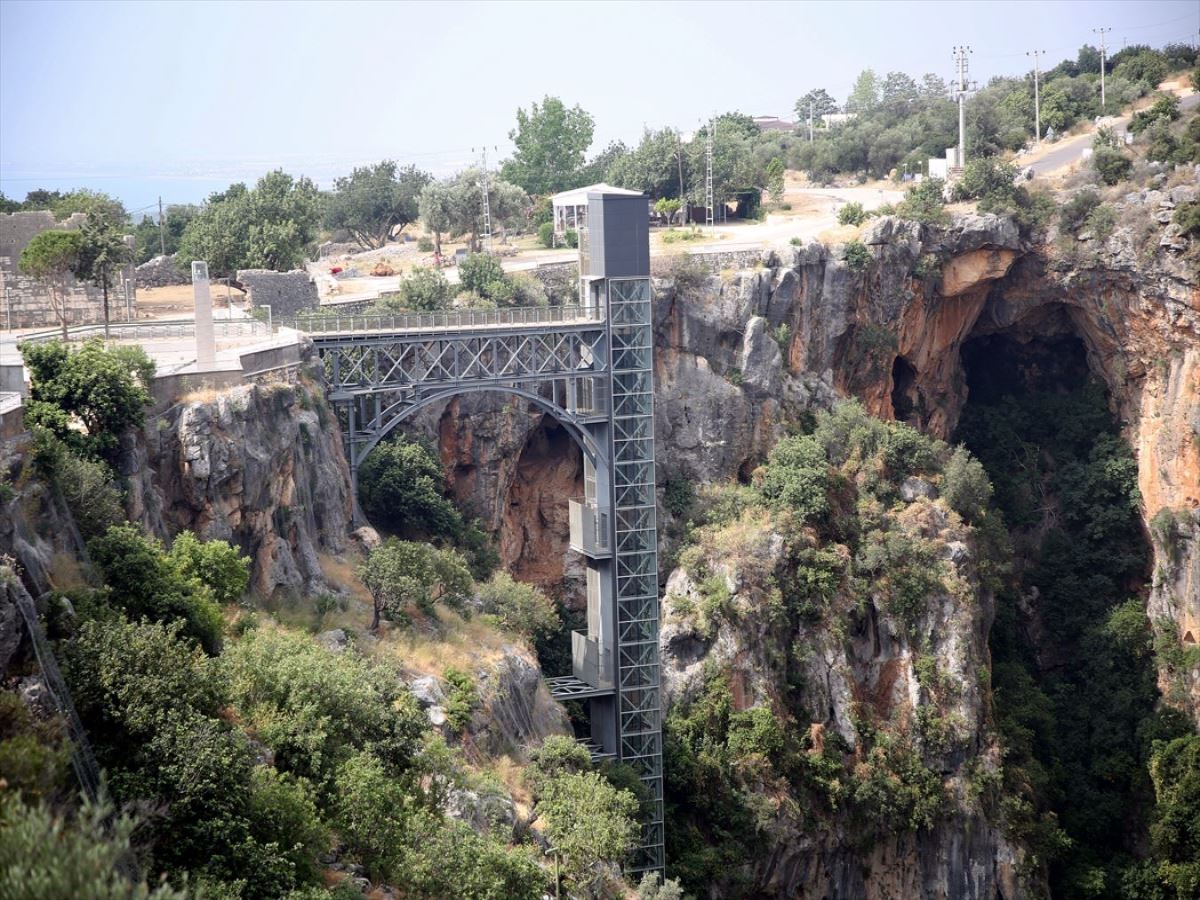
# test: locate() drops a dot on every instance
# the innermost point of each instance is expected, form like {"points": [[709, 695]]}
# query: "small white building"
{"points": [[570, 207]]}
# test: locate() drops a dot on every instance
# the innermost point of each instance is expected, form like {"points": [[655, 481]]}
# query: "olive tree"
{"points": [[373, 200], [404, 574]]}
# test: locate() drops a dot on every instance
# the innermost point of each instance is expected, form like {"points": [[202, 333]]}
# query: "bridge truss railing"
{"points": [[444, 320]]}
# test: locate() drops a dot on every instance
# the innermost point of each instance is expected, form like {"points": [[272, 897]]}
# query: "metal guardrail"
{"points": [[444, 319], [152, 329]]}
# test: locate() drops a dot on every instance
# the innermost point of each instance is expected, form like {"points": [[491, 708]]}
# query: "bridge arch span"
{"points": [[394, 414]]}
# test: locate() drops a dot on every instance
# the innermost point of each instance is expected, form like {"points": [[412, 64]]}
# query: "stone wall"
{"points": [[287, 293], [162, 271], [26, 302]]}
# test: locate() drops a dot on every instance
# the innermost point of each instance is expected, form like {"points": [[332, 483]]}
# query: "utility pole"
{"points": [[679, 162], [1037, 103], [162, 233], [960, 57], [810, 118], [708, 175], [1103, 63], [486, 233]]}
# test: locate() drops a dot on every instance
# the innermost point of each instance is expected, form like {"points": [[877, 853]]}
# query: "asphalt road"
{"points": [[1072, 149]]}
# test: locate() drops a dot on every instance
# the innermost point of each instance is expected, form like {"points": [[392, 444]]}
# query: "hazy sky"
{"points": [[181, 98]]}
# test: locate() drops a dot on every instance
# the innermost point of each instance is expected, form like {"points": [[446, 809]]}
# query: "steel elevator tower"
{"points": [[590, 365]]}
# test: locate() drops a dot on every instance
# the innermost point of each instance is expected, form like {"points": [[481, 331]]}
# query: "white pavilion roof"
{"points": [[579, 196]]}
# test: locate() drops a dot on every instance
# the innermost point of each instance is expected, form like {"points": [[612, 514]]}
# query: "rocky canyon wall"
{"points": [[258, 465]]}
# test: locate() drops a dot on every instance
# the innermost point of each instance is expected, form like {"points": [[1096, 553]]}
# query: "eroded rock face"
{"points": [[259, 466], [872, 665]]}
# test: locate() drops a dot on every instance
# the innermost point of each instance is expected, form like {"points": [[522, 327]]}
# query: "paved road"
{"points": [[1070, 150]]}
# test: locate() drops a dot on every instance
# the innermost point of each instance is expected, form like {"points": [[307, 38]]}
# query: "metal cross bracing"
{"points": [[591, 367]]}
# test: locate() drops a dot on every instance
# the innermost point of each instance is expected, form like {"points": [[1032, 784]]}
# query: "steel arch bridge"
{"points": [[589, 365]]}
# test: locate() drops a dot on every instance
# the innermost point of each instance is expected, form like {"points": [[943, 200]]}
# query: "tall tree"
{"points": [[821, 105], [865, 94], [271, 226], [551, 141], [656, 166], [897, 88], [102, 254], [373, 200], [52, 257]]}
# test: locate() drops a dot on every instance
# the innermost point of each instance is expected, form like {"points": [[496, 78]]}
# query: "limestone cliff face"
{"points": [[261, 466], [860, 664]]}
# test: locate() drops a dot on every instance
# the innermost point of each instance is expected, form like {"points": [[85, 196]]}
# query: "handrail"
{"points": [[444, 319], [148, 329]]}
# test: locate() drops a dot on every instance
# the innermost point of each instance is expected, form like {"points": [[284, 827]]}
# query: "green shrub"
{"points": [[400, 486], [1101, 221], [546, 234], [315, 709], [34, 755], [985, 176], [1187, 217], [86, 485], [755, 731], [215, 564], [425, 290], [588, 821], [1175, 832], [858, 257], [895, 791], [520, 608], [461, 699], [1076, 210], [559, 755], [45, 855], [425, 244], [479, 270], [965, 485], [852, 214], [145, 581], [1165, 108], [923, 203], [407, 575], [571, 236], [797, 478], [1113, 166], [678, 495], [105, 391]]}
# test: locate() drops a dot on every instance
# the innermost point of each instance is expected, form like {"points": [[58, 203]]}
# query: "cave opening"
{"points": [[904, 379], [1073, 677], [535, 533]]}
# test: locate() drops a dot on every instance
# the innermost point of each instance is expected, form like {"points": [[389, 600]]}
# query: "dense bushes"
{"points": [[315, 709], [103, 390], [143, 581], [43, 854], [852, 552], [518, 607], [1078, 738], [425, 290], [400, 488]]}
